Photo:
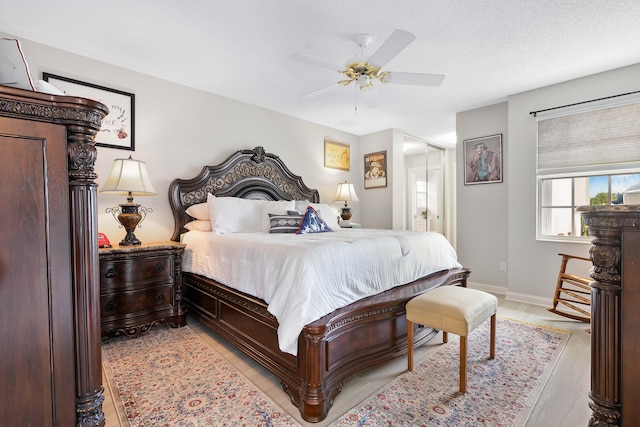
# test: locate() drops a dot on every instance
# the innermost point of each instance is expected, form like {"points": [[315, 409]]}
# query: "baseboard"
{"points": [[492, 289], [511, 296], [529, 299]]}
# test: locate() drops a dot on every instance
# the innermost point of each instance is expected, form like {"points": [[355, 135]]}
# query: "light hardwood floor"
{"points": [[563, 403]]}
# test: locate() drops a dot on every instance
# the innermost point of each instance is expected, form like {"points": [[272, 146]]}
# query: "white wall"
{"points": [[178, 130], [378, 201], [498, 221], [482, 208], [533, 264]]}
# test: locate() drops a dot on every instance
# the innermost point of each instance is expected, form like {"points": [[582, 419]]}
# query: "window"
{"points": [[560, 196], [587, 157]]}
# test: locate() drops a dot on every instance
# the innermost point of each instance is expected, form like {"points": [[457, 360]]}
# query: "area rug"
{"points": [[171, 377], [500, 392]]}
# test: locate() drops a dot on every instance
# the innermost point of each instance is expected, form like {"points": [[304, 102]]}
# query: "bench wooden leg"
{"points": [[492, 348], [463, 364], [445, 337], [410, 345]]}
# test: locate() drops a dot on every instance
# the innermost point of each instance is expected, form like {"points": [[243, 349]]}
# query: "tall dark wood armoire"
{"points": [[50, 361], [615, 314]]}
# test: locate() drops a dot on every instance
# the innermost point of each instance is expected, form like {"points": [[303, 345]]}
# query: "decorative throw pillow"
{"points": [[312, 223], [284, 223], [328, 214]]}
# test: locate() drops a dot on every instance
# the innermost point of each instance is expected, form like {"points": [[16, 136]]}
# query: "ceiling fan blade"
{"points": [[395, 44], [320, 91], [417, 79], [317, 62]]}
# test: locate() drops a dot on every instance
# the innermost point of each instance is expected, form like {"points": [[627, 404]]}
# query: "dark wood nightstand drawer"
{"points": [[150, 299], [121, 272], [140, 286]]}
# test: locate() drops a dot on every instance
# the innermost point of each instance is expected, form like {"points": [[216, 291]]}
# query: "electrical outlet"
{"points": [[503, 266]]}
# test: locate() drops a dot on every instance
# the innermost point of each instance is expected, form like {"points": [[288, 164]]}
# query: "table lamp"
{"points": [[129, 177], [346, 193]]}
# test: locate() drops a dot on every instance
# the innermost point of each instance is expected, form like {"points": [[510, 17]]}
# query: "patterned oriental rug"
{"points": [[171, 377], [500, 392]]}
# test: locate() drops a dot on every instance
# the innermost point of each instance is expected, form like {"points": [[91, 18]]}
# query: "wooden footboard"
{"points": [[330, 350]]}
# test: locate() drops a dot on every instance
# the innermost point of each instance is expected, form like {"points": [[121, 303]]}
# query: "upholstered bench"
{"points": [[456, 310]]}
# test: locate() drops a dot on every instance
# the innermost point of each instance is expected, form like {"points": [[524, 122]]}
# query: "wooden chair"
{"points": [[573, 292]]}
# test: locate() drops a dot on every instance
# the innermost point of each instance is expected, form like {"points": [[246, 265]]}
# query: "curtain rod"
{"points": [[535, 113]]}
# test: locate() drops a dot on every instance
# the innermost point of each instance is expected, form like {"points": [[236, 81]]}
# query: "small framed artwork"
{"points": [[375, 169], [117, 129], [336, 155], [483, 160]]}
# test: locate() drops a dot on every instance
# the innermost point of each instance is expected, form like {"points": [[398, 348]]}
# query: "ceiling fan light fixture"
{"points": [[363, 81], [364, 70]]}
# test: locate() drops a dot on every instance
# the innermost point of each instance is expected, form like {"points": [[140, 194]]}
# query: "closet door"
{"points": [[36, 309]]}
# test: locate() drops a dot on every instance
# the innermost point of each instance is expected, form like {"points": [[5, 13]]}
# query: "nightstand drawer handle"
{"points": [[111, 306], [159, 297], [110, 273], [159, 268]]}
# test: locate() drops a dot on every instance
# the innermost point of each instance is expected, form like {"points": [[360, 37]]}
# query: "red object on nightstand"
{"points": [[103, 241]]}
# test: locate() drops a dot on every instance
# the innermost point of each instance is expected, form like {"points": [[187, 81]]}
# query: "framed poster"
{"points": [[117, 129], [483, 160], [336, 155], [375, 170]]}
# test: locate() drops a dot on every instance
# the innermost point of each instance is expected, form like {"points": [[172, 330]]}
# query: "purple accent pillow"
{"points": [[312, 223]]}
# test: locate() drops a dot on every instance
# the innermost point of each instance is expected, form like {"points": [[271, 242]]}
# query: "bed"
{"points": [[331, 348]]}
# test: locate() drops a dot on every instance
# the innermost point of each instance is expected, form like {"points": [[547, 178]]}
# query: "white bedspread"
{"points": [[304, 277]]}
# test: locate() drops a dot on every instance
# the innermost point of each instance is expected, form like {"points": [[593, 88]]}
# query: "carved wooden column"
{"points": [[607, 224], [82, 119], [84, 246]]}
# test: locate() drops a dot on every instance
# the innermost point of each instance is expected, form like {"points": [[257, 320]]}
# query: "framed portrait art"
{"points": [[336, 155], [375, 170], [483, 160], [117, 129]]}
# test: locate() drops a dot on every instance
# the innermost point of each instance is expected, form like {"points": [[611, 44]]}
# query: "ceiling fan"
{"points": [[364, 70]]}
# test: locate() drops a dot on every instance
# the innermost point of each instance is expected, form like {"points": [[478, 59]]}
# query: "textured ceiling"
{"points": [[241, 49]]}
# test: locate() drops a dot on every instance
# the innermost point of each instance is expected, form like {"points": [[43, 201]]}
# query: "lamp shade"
{"points": [[129, 176], [346, 193]]}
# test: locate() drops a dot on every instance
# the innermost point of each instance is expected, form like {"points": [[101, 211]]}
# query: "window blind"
{"points": [[592, 140]]}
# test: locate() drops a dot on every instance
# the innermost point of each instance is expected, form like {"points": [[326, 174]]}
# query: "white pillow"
{"points": [[301, 206], [199, 211], [198, 224], [234, 214], [278, 207], [327, 213]]}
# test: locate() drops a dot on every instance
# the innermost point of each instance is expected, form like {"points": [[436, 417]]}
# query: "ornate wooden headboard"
{"points": [[251, 174]]}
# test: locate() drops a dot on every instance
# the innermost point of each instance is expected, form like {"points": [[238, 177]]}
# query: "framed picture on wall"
{"points": [[336, 155], [117, 129], [375, 169], [483, 160]]}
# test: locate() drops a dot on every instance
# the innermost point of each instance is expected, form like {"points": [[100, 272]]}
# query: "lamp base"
{"points": [[346, 214], [130, 218]]}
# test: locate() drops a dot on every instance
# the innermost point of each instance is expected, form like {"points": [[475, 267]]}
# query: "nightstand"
{"points": [[350, 225], [140, 286]]}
